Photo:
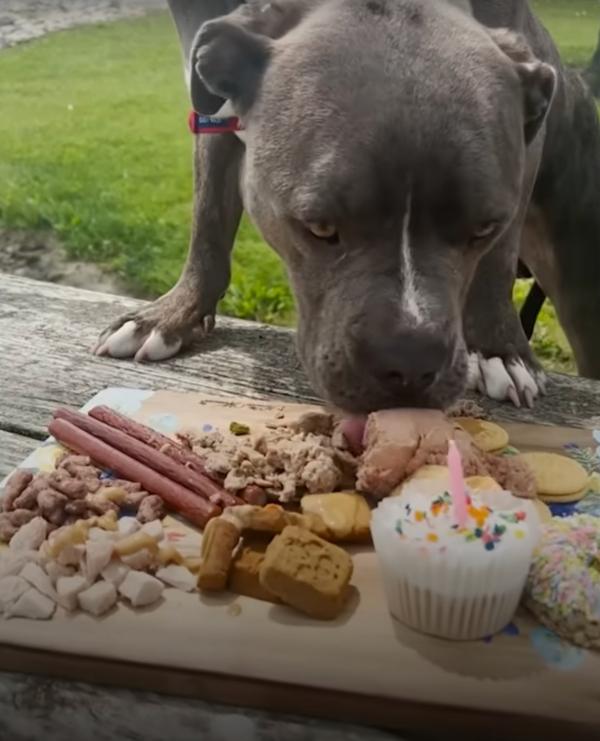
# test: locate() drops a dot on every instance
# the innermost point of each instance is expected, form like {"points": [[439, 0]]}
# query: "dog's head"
{"points": [[386, 145]]}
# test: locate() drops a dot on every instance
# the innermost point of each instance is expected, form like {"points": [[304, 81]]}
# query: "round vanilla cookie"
{"points": [[556, 475], [564, 498], [487, 436]]}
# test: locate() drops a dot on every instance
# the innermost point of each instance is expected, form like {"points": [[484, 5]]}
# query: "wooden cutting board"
{"points": [[363, 667]]}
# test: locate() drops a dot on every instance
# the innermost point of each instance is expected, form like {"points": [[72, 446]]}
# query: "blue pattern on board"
{"points": [[165, 423], [555, 652], [512, 629]]}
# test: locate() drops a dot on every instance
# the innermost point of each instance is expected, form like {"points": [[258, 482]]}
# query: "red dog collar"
{"points": [[200, 124]]}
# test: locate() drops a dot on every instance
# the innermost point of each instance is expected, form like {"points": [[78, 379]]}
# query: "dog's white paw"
{"points": [[129, 342], [508, 380]]}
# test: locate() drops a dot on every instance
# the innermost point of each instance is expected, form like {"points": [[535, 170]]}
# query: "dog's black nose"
{"points": [[404, 361]]}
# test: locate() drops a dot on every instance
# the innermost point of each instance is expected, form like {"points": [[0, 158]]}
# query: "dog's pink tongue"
{"points": [[353, 429]]}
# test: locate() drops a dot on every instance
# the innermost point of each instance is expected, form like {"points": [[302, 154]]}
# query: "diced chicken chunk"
{"points": [[128, 526], [97, 557], [97, 533], [140, 560], [33, 605], [141, 589], [115, 572], [38, 578], [31, 536], [68, 589], [11, 589], [12, 562], [99, 598], [55, 571], [178, 577], [154, 529]]}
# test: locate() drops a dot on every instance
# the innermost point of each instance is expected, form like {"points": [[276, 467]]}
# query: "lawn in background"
{"points": [[94, 145], [574, 25]]}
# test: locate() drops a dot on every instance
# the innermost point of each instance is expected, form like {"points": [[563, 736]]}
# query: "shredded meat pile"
{"points": [[285, 461]]}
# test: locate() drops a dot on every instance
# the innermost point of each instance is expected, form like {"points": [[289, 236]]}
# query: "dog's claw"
{"points": [[503, 380], [542, 382], [155, 333], [123, 343], [514, 396]]}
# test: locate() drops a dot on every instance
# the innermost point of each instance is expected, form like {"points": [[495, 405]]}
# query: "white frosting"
{"points": [[495, 519], [454, 562]]}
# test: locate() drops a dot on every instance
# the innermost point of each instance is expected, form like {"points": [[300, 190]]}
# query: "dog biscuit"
{"points": [[245, 569], [346, 515], [272, 519], [218, 543], [307, 573]]}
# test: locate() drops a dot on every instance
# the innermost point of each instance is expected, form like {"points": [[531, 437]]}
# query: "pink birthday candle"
{"points": [[458, 490]]}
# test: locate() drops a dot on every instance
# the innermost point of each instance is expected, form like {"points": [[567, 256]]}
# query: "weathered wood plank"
{"points": [[46, 332], [13, 449], [78, 710]]}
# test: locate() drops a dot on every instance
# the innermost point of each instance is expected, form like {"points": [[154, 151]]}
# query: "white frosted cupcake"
{"points": [[454, 582]]}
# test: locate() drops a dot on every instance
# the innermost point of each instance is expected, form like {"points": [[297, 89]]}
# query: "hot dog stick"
{"points": [[163, 444], [152, 458], [177, 498]]}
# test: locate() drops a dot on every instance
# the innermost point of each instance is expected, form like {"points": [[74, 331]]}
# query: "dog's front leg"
{"points": [[501, 363], [188, 311]]}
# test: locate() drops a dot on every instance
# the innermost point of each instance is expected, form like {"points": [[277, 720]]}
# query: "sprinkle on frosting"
{"points": [[484, 524]]}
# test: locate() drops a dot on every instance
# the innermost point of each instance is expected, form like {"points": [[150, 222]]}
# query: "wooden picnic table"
{"points": [[46, 332]]}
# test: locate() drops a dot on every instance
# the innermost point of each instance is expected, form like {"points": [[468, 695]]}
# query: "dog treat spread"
{"points": [[274, 502]]}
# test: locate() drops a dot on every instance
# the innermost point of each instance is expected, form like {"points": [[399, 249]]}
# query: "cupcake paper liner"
{"points": [[453, 588]]}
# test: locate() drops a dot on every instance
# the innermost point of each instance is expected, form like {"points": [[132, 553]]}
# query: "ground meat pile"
{"points": [[400, 441], [285, 461]]}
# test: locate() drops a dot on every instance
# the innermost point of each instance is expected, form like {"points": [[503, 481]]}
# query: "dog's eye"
{"points": [[322, 230], [484, 231]]}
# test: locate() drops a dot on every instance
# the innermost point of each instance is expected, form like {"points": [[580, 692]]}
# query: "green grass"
{"points": [[574, 25], [94, 146]]}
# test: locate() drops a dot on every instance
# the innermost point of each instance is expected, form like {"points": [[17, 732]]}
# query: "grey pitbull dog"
{"points": [[400, 156]]}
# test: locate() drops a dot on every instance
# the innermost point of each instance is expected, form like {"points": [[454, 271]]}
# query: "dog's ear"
{"points": [[539, 85], [203, 100], [229, 62], [538, 79], [271, 18]]}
